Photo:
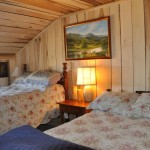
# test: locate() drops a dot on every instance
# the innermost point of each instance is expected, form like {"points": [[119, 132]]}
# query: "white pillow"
{"points": [[142, 106], [21, 79], [45, 77], [115, 102]]}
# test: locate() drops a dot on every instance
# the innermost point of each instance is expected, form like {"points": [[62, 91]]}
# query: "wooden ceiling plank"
{"points": [[56, 5], [26, 11], [18, 30], [16, 35], [47, 5], [92, 2], [3, 44], [53, 13], [19, 24], [14, 40], [105, 1], [16, 17], [75, 3]]}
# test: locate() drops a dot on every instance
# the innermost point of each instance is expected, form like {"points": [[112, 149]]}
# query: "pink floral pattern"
{"points": [[142, 106], [109, 132], [31, 108]]}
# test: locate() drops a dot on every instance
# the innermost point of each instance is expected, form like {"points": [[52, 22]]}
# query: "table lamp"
{"points": [[86, 77]]}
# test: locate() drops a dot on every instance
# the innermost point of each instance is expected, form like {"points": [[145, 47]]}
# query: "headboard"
{"points": [[64, 80], [65, 75], [140, 92]]}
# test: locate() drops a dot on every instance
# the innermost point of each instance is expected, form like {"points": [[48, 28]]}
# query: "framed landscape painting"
{"points": [[88, 40]]}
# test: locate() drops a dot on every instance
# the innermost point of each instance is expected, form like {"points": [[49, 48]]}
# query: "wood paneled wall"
{"points": [[128, 70]]}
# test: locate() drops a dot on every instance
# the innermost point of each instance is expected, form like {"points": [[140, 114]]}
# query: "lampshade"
{"points": [[86, 76], [15, 72]]}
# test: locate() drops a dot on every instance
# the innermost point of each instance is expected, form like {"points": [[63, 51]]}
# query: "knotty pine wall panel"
{"points": [[126, 46], [138, 29]]}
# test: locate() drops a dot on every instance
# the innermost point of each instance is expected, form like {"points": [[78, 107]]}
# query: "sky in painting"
{"points": [[96, 28]]}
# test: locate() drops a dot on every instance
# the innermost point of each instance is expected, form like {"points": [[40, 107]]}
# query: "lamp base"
{"points": [[80, 94], [88, 93]]}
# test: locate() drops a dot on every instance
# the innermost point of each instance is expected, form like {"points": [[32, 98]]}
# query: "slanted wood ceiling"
{"points": [[22, 20]]}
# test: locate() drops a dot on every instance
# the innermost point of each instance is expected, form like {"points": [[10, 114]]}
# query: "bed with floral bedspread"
{"points": [[119, 121], [30, 108]]}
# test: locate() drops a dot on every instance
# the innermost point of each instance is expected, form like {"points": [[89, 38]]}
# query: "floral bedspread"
{"points": [[30, 108], [105, 131]]}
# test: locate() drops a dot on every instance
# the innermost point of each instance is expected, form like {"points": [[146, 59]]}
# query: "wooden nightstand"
{"points": [[72, 107]]}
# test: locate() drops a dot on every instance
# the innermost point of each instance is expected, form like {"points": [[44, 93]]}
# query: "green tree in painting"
{"points": [[104, 43], [84, 43]]}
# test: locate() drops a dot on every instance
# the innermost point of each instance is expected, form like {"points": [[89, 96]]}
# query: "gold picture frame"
{"points": [[88, 40]]}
